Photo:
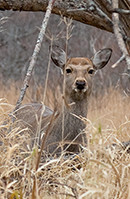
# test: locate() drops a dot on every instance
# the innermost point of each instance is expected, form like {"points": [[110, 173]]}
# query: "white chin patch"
{"points": [[84, 90], [78, 90]]}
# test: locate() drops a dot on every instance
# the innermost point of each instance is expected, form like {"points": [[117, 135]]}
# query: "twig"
{"points": [[119, 37], [118, 61], [120, 11], [35, 54], [74, 190]]}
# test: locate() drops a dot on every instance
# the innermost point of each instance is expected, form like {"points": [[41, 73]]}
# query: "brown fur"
{"points": [[79, 60]]}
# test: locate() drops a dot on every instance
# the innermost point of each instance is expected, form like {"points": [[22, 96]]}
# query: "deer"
{"points": [[67, 135]]}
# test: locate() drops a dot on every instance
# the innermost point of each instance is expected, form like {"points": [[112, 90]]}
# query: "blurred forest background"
{"points": [[18, 35]]}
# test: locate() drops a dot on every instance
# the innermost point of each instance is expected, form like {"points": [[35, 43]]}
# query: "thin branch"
{"points": [[118, 61], [120, 11], [35, 54], [119, 37]]}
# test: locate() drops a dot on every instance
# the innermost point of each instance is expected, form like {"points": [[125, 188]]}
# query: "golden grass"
{"points": [[100, 172]]}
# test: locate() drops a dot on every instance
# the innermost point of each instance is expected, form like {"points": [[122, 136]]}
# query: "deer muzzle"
{"points": [[80, 85]]}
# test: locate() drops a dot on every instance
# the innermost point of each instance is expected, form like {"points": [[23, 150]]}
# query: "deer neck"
{"points": [[77, 107], [73, 124]]}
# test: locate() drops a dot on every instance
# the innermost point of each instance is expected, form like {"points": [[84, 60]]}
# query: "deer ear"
{"points": [[58, 56], [101, 58]]}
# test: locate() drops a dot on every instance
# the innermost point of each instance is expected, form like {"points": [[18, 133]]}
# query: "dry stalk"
{"points": [[28, 77], [119, 37], [74, 190], [45, 137], [45, 91], [47, 75], [35, 54], [68, 23], [114, 169]]}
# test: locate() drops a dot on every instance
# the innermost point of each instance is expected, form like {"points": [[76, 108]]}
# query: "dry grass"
{"points": [[100, 172]]}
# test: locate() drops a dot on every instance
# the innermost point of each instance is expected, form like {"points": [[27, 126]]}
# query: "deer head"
{"points": [[79, 71]]}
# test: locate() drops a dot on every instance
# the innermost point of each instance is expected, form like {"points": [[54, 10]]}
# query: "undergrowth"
{"points": [[101, 171]]}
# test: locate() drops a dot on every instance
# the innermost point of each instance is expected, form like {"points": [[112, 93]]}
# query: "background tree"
{"points": [[97, 13], [22, 32]]}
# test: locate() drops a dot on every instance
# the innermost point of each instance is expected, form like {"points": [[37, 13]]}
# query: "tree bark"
{"points": [[97, 13], [86, 12]]}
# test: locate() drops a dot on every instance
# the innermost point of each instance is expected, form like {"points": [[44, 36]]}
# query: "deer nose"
{"points": [[80, 84]]}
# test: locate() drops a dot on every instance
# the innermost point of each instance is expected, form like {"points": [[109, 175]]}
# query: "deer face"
{"points": [[79, 71], [78, 74]]}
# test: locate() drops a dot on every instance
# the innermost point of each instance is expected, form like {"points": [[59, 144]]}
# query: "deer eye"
{"points": [[68, 70], [91, 71]]}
